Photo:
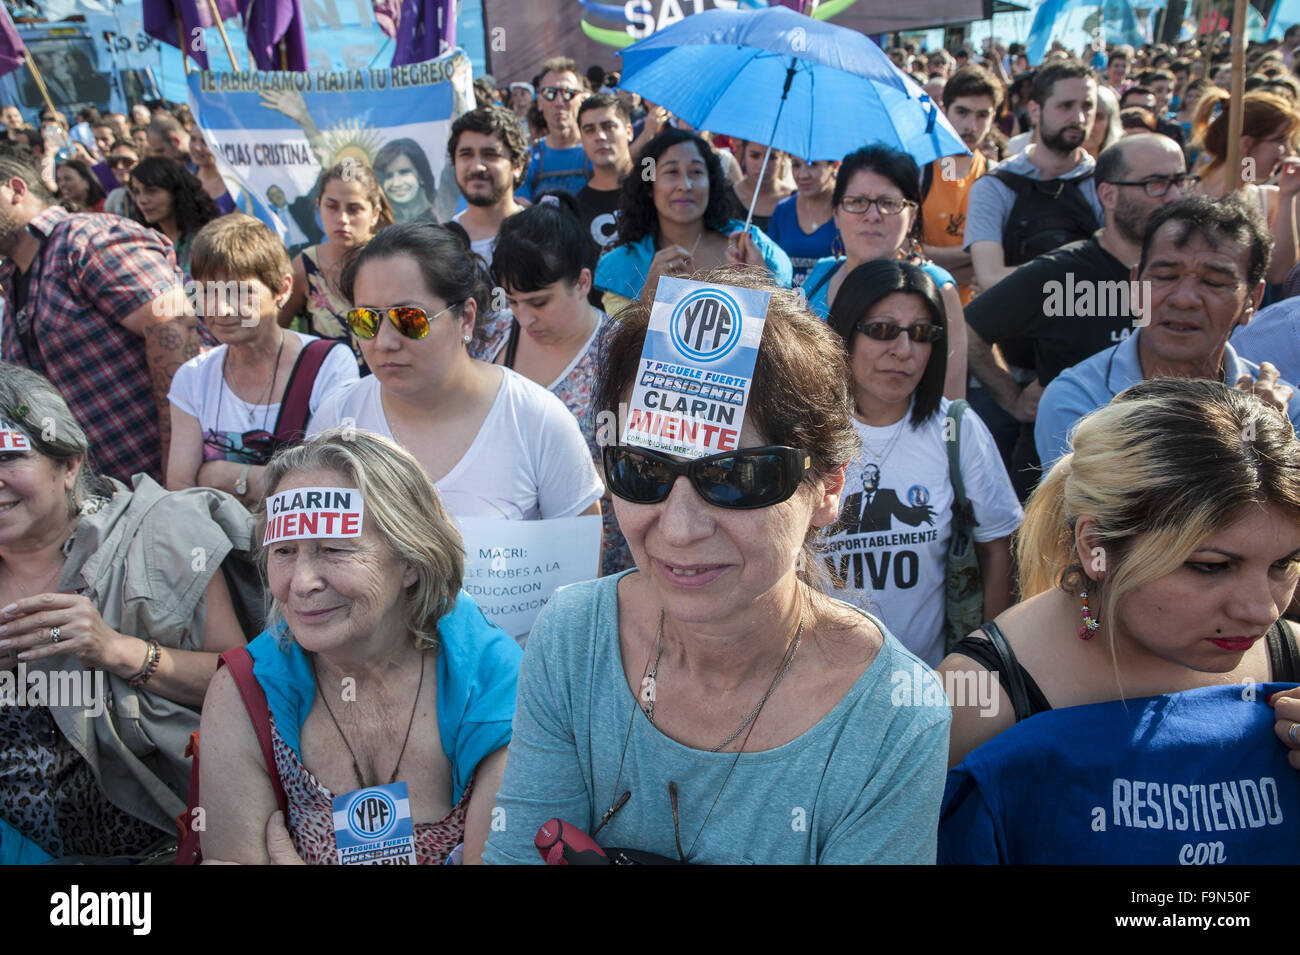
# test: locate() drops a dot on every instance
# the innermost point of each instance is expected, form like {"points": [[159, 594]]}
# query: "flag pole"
{"points": [[181, 40], [284, 56], [40, 83], [1236, 118], [216, 15]]}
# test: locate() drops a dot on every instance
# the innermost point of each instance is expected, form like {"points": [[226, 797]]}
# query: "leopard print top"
{"points": [[50, 794], [311, 815]]}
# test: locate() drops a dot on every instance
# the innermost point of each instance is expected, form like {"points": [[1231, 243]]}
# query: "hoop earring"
{"points": [[837, 246]]}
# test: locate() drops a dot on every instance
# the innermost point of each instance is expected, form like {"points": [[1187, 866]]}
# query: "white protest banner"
{"points": [[276, 132], [305, 512], [692, 384], [513, 567]]}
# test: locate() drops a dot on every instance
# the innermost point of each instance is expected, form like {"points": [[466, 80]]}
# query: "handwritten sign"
{"points": [[513, 567]]}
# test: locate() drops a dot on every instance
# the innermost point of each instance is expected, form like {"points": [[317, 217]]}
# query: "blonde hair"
{"points": [[1166, 464], [405, 510]]}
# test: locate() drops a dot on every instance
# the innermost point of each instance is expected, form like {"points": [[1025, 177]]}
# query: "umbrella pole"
{"points": [[762, 170]]}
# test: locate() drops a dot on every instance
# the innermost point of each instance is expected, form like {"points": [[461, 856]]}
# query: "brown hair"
{"points": [[800, 396], [1263, 115], [237, 246], [350, 170]]}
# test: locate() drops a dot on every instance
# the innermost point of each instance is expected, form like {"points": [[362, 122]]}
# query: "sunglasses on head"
{"points": [[255, 447], [888, 331], [411, 320], [740, 480], [550, 92]]}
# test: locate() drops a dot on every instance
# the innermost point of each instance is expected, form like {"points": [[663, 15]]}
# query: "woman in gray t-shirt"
{"points": [[712, 706]]}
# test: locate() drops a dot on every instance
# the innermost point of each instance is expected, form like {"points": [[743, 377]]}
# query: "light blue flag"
{"points": [[1119, 25]]}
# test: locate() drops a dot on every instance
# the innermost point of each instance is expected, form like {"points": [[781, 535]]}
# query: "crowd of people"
{"points": [[1022, 414]]}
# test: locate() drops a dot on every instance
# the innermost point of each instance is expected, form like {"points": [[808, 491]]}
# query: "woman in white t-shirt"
{"points": [[889, 549], [494, 443], [232, 406]]}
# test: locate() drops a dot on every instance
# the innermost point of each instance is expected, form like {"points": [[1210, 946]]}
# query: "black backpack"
{"points": [[1047, 214]]}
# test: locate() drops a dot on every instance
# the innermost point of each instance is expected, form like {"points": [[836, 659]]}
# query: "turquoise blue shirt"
{"points": [[819, 280], [861, 786], [623, 270], [478, 670]]}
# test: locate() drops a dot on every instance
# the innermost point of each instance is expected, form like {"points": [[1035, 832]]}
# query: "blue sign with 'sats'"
{"points": [[373, 826], [696, 368]]}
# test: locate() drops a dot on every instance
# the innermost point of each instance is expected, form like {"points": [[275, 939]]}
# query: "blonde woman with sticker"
{"points": [[114, 601], [1129, 710], [377, 668]]}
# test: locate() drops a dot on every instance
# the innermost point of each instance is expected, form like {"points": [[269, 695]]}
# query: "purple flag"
{"points": [[425, 29], [11, 46], [273, 25], [160, 18]]}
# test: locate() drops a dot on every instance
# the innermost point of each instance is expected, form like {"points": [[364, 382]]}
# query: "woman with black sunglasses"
{"points": [[888, 552], [494, 443], [714, 705]]}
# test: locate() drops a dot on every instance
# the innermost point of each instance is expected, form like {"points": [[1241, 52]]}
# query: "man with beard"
{"points": [[970, 101], [488, 152], [1077, 300], [1044, 197], [558, 161]]}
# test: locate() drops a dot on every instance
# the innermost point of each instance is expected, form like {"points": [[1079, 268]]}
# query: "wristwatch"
{"points": [[241, 482]]}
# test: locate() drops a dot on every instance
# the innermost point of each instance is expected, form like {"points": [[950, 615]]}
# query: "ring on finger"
{"points": [[1291, 733], [55, 634]]}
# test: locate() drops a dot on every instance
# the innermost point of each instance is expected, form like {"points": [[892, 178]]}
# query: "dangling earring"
{"points": [[1090, 623]]}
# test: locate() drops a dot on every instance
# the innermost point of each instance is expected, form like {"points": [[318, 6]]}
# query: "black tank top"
{"points": [[1027, 697]]}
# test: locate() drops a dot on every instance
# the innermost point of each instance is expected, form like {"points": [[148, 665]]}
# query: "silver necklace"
{"points": [[879, 459], [648, 683]]}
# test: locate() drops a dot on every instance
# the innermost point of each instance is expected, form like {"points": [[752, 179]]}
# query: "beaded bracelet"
{"points": [[151, 658]]}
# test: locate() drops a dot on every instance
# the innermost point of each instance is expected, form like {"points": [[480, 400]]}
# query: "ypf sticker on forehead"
{"points": [[13, 438], [696, 368], [307, 512]]}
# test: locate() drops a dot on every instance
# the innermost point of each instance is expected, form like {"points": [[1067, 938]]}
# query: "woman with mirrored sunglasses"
{"points": [[877, 210], [714, 705], [888, 551], [494, 443]]}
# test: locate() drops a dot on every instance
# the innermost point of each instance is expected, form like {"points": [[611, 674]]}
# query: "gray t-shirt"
{"points": [[862, 786], [990, 202]]}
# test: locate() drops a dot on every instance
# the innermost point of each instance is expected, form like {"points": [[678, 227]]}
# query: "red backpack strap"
{"points": [[240, 662], [295, 408]]}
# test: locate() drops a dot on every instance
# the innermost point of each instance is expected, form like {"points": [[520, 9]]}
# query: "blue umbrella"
{"points": [[810, 88]]}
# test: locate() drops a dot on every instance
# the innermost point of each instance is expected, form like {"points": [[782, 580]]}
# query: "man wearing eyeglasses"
{"points": [[1076, 300], [558, 161]]}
